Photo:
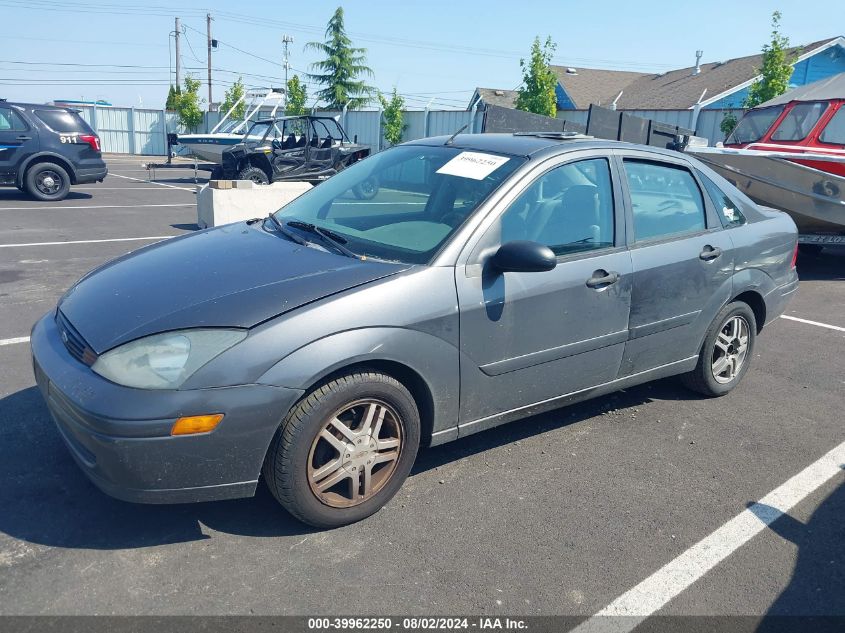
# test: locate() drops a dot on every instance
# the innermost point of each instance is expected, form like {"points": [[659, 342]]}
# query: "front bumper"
{"points": [[120, 436]]}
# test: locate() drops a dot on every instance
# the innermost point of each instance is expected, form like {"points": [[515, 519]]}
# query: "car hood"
{"points": [[231, 276]]}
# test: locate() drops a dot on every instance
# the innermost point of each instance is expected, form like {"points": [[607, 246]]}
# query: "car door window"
{"points": [[11, 121], [727, 210], [665, 199], [569, 209]]}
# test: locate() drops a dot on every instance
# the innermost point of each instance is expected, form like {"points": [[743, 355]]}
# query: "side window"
{"points": [[11, 121], [569, 209], [834, 131], [727, 210], [666, 200]]}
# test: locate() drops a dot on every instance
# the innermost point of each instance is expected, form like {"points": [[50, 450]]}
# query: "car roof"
{"points": [[294, 117], [530, 145], [38, 106]]}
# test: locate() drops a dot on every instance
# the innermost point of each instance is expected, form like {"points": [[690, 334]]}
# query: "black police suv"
{"points": [[46, 149]]}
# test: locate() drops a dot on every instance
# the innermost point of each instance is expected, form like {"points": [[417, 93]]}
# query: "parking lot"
{"points": [[561, 513]]}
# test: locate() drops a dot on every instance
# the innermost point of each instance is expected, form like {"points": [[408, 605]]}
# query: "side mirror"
{"points": [[522, 256]]}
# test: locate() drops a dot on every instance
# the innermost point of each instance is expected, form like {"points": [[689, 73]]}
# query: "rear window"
{"points": [[64, 121]]}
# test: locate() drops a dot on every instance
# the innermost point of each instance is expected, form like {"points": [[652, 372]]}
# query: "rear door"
{"points": [[18, 140], [683, 261]]}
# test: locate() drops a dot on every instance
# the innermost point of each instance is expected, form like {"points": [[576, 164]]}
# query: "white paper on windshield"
{"points": [[473, 165]]}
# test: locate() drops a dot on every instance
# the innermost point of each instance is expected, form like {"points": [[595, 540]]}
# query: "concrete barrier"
{"points": [[227, 201]]}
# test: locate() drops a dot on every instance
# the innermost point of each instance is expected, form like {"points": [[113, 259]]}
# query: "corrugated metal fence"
{"points": [[144, 131]]}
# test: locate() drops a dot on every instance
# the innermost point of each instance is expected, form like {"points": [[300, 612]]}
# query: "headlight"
{"points": [[164, 361]]}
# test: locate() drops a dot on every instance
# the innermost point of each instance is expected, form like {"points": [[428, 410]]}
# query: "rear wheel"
{"points": [[344, 450], [255, 174], [47, 181], [726, 352]]}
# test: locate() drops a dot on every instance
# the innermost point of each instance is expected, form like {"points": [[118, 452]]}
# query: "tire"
{"points": [[301, 465], [216, 173], [47, 182], [367, 190], [254, 174], [734, 324]]}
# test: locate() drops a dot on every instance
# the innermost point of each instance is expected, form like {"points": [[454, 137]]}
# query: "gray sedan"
{"points": [[488, 278]]}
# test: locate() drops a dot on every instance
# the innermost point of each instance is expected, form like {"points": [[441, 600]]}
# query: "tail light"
{"points": [[794, 256], [92, 139]]}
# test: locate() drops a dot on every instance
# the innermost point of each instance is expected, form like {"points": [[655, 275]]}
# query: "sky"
{"points": [[434, 52]]}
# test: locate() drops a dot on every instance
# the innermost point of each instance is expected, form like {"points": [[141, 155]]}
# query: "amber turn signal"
{"points": [[196, 424]]}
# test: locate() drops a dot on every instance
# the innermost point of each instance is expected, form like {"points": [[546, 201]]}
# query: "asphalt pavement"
{"points": [[561, 513]]}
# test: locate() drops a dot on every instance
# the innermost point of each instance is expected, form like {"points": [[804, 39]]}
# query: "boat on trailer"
{"points": [[789, 153], [229, 131]]}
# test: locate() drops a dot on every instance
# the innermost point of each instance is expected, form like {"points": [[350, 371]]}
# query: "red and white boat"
{"points": [[789, 153]]}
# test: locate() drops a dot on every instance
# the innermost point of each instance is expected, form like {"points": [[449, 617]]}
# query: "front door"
{"points": [[683, 263], [529, 338], [17, 141]]}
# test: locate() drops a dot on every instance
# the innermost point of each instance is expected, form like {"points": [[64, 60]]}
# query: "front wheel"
{"points": [[255, 174], [47, 182], [726, 353], [344, 450]]}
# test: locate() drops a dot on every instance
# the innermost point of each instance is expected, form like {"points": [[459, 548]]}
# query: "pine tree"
{"points": [[341, 69], [172, 97], [537, 92]]}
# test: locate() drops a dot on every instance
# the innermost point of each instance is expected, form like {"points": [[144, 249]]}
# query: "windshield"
{"points": [[753, 125], [798, 122], [404, 203], [258, 131]]}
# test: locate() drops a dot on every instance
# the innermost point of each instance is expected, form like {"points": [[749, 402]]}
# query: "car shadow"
{"points": [[816, 588], [17, 195], [829, 265], [46, 499]]}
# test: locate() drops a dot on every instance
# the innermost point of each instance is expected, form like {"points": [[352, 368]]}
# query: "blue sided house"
{"points": [[721, 84]]}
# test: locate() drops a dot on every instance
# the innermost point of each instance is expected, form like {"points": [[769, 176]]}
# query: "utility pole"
{"points": [[176, 33], [208, 28], [287, 40]]}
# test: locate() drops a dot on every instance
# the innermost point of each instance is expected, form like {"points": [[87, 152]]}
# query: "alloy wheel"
{"points": [[48, 182], [730, 349], [355, 453]]}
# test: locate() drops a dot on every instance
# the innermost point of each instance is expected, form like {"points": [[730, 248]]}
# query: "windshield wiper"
{"points": [[287, 232], [337, 241]]}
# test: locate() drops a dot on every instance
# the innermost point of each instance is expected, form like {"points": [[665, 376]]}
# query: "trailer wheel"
{"points": [[254, 174], [216, 173]]}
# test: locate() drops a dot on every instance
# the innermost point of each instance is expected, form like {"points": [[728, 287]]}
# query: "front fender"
{"points": [[433, 359]]}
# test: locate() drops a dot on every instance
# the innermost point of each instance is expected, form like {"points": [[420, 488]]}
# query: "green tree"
{"points": [[776, 69], [188, 104], [172, 97], [394, 125], [342, 69], [230, 98], [297, 96], [537, 92], [728, 123]]}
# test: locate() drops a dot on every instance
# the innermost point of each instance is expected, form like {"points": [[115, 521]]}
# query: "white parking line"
{"points": [[807, 321], [115, 239], [102, 206], [149, 182], [13, 341], [97, 188], [657, 590]]}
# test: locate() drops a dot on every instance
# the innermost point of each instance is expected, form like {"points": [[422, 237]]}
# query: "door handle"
{"points": [[602, 278], [710, 252], [23, 137]]}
